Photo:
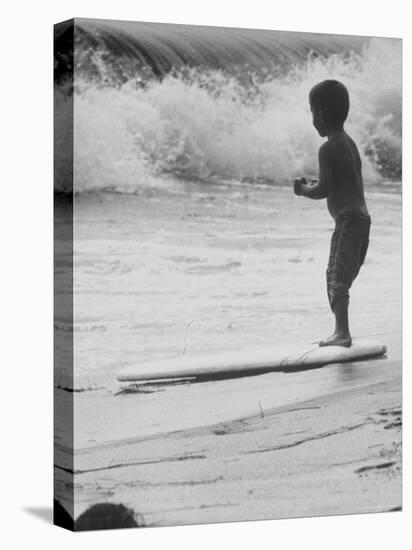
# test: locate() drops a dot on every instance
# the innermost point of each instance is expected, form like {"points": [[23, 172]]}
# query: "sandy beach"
{"points": [[339, 453], [225, 268]]}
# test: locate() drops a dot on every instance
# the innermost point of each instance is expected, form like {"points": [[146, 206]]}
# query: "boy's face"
{"points": [[317, 119]]}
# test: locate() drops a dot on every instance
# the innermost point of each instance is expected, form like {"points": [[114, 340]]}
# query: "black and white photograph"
{"points": [[228, 274]]}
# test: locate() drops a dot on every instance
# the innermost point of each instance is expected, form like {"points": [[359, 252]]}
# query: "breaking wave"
{"points": [[211, 118]]}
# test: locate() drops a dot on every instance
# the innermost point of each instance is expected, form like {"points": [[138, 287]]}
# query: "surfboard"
{"points": [[249, 362]]}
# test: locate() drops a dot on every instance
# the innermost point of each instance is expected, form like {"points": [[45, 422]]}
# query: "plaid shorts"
{"points": [[348, 248]]}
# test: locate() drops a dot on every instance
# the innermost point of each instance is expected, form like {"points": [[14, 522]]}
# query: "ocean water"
{"points": [[212, 268], [187, 235]]}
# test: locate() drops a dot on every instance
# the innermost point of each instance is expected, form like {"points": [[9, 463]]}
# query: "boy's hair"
{"points": [[332, 98]]}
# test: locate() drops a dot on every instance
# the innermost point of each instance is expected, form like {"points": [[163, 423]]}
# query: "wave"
{"points": [[208, 121], [114, 51]]}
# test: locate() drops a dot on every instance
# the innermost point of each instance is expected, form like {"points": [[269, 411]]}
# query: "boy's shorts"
{"points": [[348, 248]]}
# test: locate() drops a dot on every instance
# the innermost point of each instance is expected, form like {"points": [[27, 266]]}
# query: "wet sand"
{"points": [[316, 442], [230, 451]]}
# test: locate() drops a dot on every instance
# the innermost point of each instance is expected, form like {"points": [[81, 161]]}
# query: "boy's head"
{"points": [[329, 103]]}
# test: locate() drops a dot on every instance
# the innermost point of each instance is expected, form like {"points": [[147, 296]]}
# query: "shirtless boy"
{"points": [[340, 182]]}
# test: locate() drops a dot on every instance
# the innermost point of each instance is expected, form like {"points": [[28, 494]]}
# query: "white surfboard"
{"points": [[249, 362]]}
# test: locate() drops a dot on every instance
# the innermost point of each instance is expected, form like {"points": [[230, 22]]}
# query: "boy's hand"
{"points": [[297, 187]]}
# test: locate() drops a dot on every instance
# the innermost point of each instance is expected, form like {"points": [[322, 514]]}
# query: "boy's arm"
{"points": [[321, 189]]}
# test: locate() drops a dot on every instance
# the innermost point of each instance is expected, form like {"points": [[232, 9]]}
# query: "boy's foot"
{"points": [[337, 340]]}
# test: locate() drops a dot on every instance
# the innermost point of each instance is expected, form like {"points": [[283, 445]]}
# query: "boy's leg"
{"points": [[349, 245], [341, 336], [338, 277]]}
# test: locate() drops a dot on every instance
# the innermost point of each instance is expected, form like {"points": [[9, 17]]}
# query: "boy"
{"points": [[340, 182]]}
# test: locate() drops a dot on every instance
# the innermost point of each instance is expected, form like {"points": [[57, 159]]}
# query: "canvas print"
{"points": [[227, 274]]}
